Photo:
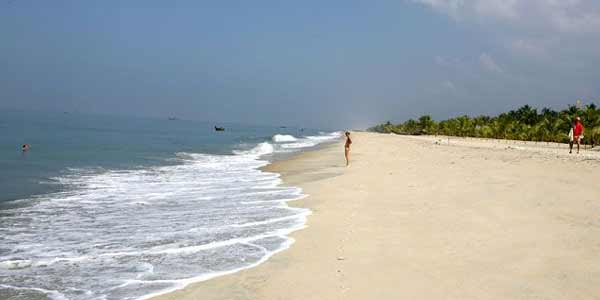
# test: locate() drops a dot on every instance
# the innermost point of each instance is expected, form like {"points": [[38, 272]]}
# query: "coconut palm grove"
{"points": [[525, 123]]}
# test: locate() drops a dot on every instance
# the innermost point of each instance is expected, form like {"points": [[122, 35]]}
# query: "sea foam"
{"points": [[279, 138], [261, 149], [125, 234]]}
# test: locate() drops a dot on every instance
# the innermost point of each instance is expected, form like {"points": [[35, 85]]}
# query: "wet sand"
{"points": [[420, 218]]}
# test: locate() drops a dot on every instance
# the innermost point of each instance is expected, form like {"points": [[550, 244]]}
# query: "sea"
{"points": [[113, 207]]}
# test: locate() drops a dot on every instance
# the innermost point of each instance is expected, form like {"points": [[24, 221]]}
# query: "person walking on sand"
{"points": [[578, 132], [571, 136], [347, 148]]}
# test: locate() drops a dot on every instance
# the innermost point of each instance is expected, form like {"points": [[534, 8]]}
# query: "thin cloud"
{"points": [[448, 85], [525, 23], [446, 62], [574, 16], [489, 64], [535, 48]]}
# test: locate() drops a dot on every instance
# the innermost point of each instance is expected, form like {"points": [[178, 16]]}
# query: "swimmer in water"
{"points": [[347, 148], [25, 147]]}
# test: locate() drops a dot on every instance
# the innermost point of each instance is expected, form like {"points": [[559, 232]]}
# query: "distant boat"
{"points": [[219, 128], [173, 118]]}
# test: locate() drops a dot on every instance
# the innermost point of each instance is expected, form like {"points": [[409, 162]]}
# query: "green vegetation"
{"points": [[525, 123]]}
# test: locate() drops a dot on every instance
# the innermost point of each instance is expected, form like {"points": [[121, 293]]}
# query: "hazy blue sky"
{"points": [[306, 63]]}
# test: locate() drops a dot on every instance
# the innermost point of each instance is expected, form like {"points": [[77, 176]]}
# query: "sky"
{"points": [[327, 64]]}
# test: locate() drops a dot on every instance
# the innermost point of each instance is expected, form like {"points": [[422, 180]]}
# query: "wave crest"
{"points": [[282, 138], [260, 149]]}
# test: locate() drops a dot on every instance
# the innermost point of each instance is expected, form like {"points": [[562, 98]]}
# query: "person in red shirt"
{"points": [[578, 132]]}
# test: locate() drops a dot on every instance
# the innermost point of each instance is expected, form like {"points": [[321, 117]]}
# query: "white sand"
{"points": [[412, 219]]}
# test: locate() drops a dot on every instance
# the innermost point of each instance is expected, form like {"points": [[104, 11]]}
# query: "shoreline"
{"points": [[465, 221], [278, 166]]}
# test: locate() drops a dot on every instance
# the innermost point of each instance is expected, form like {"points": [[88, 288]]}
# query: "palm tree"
{"points": [[426, 124], [525, 123]]}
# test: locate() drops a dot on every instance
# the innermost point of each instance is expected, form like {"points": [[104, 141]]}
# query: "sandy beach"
{"points": [[433, 218]]}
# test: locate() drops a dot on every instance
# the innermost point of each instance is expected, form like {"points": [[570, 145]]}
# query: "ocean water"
{"points": [[124, 208]]}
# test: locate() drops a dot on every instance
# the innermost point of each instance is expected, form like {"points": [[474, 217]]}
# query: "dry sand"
{"points": [[416, 218]]}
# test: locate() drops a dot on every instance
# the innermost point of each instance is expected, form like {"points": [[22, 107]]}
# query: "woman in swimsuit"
{"points": [[347, 147]]}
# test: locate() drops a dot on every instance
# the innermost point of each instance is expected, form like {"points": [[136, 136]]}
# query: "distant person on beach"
{"points": [[578, 132], [25, 147], [571, 137], [347, 148]]}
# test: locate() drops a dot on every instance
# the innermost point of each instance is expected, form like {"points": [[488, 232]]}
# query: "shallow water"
{"points": [[128, 228]]}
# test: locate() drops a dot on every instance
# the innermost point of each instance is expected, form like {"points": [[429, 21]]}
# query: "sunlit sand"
{"points": [[415, 218]]}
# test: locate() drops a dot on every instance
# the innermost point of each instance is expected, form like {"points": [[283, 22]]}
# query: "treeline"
{"points": [[525, 123]]}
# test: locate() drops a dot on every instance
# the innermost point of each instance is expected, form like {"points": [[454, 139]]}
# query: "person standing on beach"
{"points": [[347, 148], [578, 132], [571, 137]]}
